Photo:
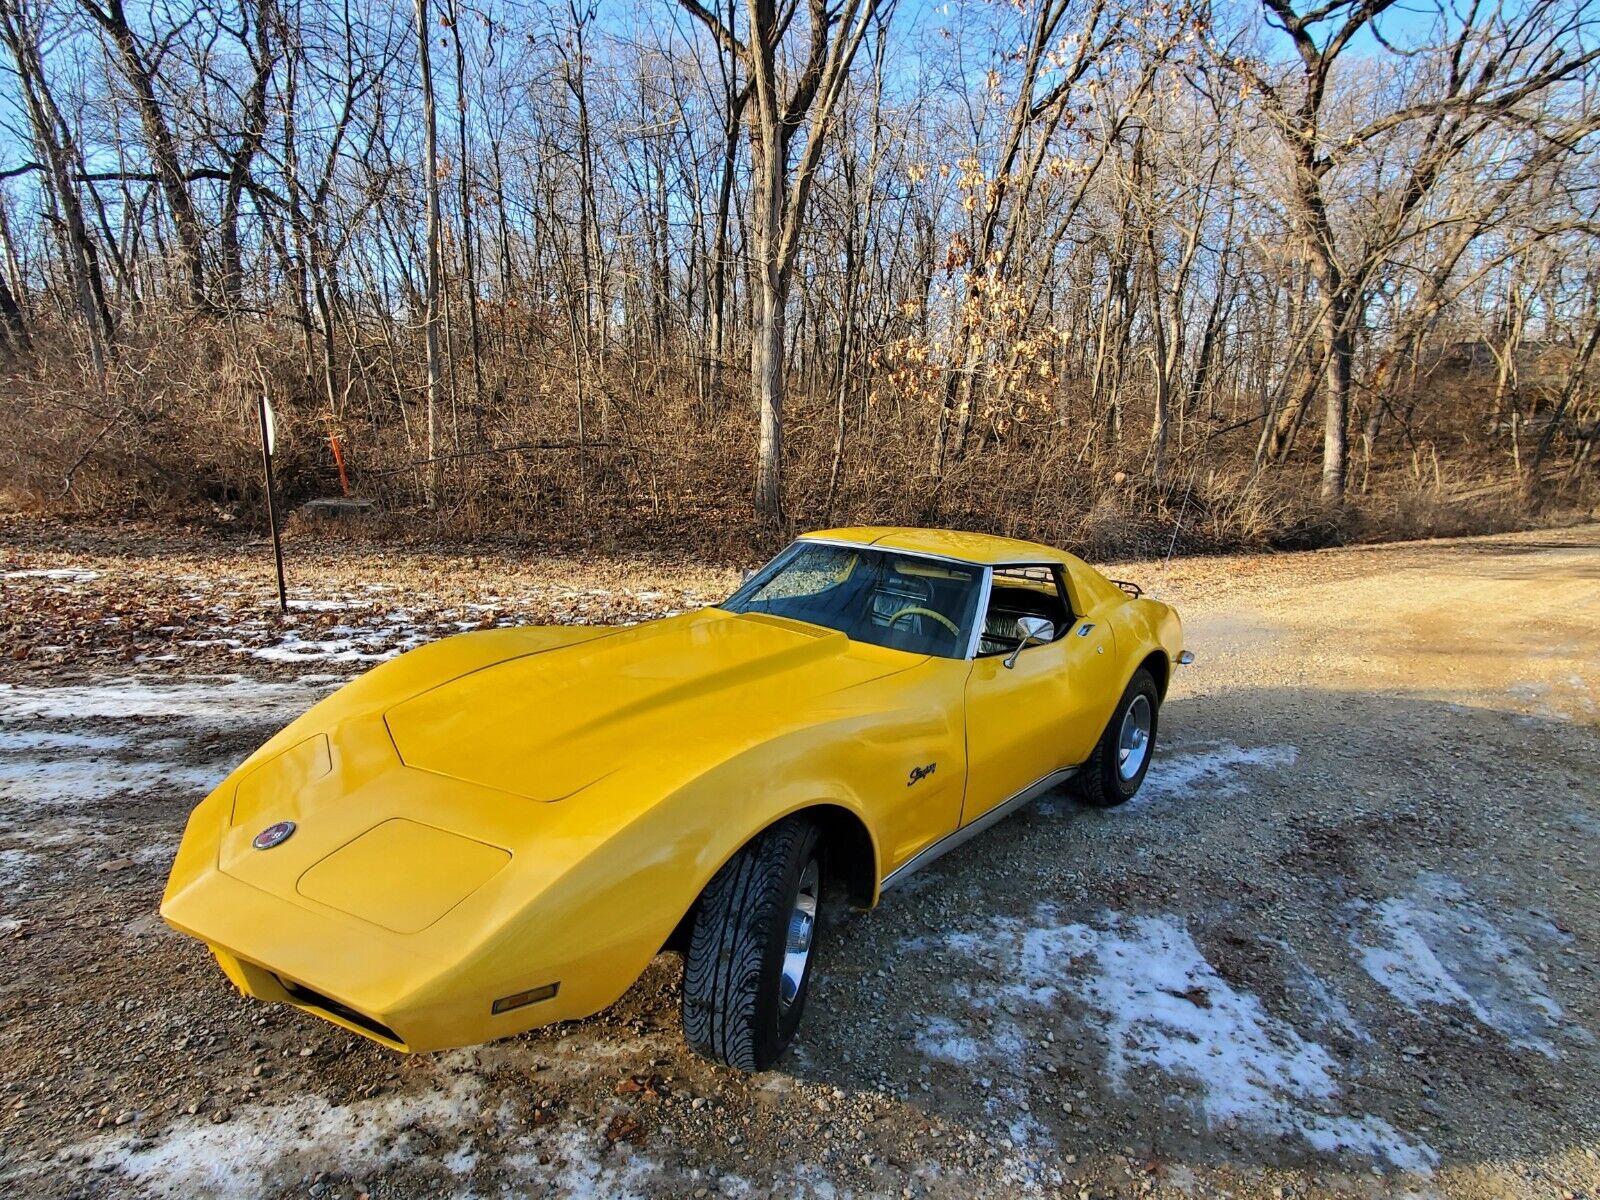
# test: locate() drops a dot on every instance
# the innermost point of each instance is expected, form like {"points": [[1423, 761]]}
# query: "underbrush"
{"points": [[640, 459]]}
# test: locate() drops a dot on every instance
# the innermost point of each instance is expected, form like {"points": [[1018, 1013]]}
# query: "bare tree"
{"points": [[779, 189], [435, 252]]}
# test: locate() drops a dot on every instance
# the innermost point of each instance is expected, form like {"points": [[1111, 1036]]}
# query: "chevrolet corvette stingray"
{"points": [[501, 829]]}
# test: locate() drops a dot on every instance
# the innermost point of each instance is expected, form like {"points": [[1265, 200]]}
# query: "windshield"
{"points": [[922, 605]]}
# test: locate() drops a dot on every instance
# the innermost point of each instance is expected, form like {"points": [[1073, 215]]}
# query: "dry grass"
{"points": [[661, 468]]}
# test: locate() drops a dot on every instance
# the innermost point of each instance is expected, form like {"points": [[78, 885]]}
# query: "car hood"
{"points": [[545, 726]]}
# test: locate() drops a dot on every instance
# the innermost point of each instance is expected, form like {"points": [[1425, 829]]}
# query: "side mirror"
{"points": [[1031, 631], [746, 575]]}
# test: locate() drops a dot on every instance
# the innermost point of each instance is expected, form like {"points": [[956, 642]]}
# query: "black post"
{"points": [[272, 512]]}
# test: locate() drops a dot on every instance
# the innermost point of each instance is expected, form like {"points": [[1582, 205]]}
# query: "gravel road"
{"points": [[1344, 942]]}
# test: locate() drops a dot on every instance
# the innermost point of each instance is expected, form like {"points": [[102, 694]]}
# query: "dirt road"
{"points": [[1346, 941]]}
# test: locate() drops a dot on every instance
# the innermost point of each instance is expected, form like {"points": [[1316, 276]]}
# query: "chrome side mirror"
{"points": [[1031, 631], [746, 575]]}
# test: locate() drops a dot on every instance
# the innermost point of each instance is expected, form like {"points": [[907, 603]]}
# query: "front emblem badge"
{"points": [[273, 835]]}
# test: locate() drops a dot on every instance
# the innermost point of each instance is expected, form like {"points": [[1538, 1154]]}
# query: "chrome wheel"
{"points": [[1133, 743], [797, 947]]}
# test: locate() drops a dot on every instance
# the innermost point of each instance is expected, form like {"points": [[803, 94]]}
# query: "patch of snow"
{"points": [[221, 699], [1160, 1005], [267, 1148], [809, 1180], [16, 866], [42, 765], [374, 642], [80, 780], [944, 1040], [1215, 772], [582, 1167], [35, 741], [1436, 947], [461, 1160], [65, 574], [1320, 1005], [326, 604]]}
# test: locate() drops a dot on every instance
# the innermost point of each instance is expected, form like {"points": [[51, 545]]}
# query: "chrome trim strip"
{"points": [[967, 832], [980, 615]]}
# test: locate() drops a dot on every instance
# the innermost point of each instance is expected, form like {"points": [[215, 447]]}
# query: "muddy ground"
{"points": [[1344, 943]]}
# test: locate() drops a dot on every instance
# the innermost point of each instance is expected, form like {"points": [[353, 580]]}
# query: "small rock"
{"points": [[114, 864]]}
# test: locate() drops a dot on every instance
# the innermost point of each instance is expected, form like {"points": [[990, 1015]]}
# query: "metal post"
{"points": [[272, 512]]}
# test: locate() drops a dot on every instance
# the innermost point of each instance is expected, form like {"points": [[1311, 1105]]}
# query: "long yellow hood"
{"points": [[545, 726]]}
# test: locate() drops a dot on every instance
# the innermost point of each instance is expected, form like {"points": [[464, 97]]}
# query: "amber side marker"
{"points": [[507, 1003]]}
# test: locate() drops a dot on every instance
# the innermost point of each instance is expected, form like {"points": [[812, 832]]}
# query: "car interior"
{"points": [[1024, 591], [909, 599], [905, 603]]}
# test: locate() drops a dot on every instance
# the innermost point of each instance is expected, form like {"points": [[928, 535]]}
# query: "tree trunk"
{"points": [[719, 260], [1338, 345], [430, 318], [11, 322], [767, 340], [53, 138], [469, 255]]}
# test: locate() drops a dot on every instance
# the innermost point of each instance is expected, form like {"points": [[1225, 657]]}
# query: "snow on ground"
{"points": [[354, 625], [15, 865], [1144, 987], [1213, 771], [343, 644], [577, 1171], [220, 699], [1436, 947], [44, 766], [52, 781], [1200, 771], [60, 574], [263, 1148], [266, 1148], [372, 630]]}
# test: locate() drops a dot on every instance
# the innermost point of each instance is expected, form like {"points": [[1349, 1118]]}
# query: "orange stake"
{"points": [[338, 458]]}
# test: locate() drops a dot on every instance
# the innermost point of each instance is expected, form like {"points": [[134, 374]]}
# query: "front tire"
{"points": [[1121, 757], [748, 966]]}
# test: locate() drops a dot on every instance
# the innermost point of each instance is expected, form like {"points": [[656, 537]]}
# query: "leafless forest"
{"points": [[680, 273]]}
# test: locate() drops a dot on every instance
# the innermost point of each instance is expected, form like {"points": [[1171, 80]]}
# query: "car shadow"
{"points": [[1339, 928]]}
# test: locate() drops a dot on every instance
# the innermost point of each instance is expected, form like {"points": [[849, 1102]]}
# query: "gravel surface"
{"points": [[1344, 942]]}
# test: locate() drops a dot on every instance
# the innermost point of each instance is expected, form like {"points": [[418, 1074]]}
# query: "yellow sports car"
{"points": [[501, 829]]}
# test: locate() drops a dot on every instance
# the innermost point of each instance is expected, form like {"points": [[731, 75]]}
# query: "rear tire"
{"points": [[748, 966], [1121, 757]]}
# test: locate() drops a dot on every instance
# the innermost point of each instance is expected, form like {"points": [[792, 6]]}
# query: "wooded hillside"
{"points": [[1073, 269]]}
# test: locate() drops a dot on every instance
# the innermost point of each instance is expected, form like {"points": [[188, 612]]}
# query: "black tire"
{"points": [[733, 968], [1101, 780]]}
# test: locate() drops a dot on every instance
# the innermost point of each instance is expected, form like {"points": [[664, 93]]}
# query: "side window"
{"points": [[1026, 590]]}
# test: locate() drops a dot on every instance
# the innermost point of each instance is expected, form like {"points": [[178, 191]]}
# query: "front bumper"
{"points": [[351, 974]]}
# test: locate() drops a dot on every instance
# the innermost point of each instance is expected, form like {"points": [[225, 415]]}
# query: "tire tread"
{"points": [[724, 965]]}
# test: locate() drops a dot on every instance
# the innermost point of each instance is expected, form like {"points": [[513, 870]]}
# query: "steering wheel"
{"points": [[915, 610]]}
